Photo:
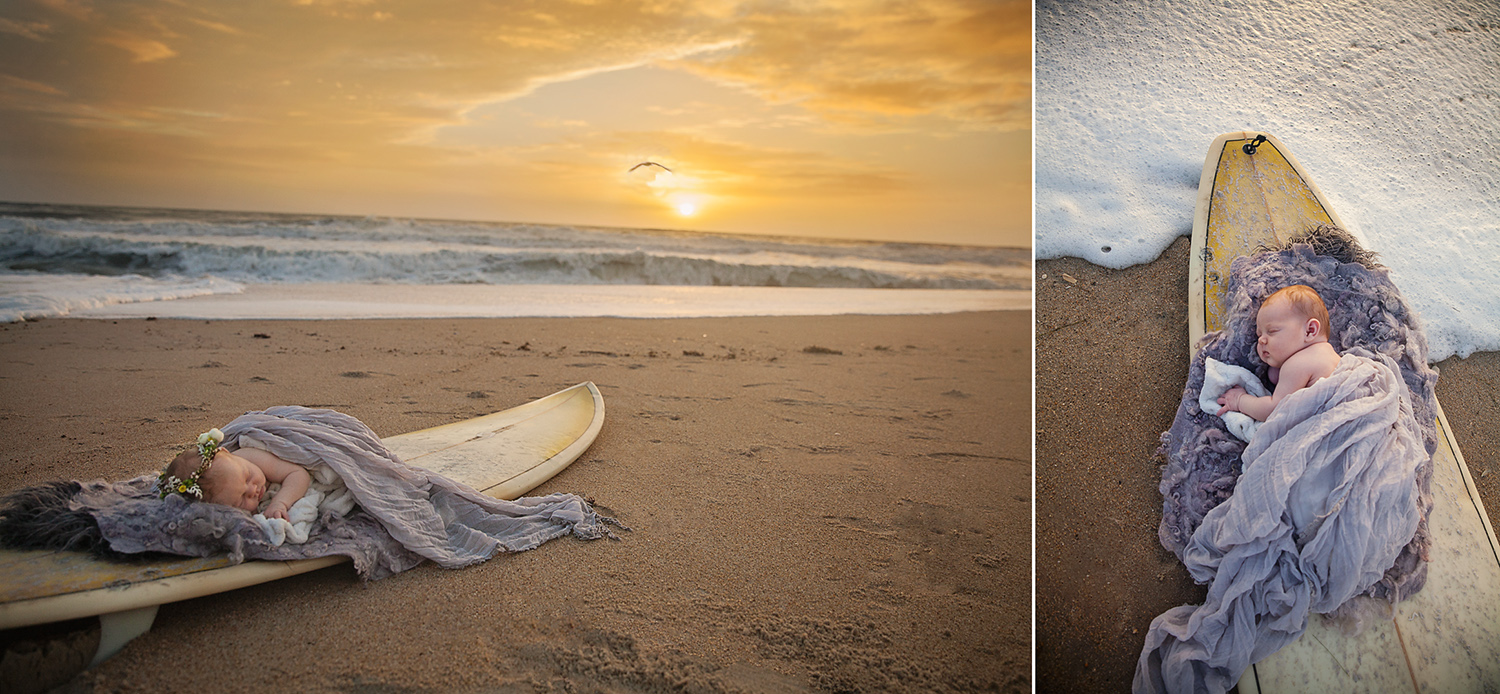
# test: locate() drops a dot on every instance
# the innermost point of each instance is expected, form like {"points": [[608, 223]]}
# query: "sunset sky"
{"points": [[878, 120]]}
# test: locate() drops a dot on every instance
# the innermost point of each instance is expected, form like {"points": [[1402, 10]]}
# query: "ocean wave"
{"points": [[452, 253]]}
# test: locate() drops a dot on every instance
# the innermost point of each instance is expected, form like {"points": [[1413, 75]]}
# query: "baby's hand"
{"points": [[1231, 400], [277, 509]]}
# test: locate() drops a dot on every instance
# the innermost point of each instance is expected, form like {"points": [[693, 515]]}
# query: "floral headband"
{"points": [[208, 445]]}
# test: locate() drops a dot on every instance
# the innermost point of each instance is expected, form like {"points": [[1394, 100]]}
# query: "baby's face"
{"points": [[1282, 332], [236, 482]]}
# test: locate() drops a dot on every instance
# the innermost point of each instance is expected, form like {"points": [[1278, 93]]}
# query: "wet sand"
{"points": [[818, 504], [1112, 357]]}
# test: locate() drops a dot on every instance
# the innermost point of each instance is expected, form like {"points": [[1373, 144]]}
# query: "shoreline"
{"points": [[355, 301], [850, 516], [1112, 351]]}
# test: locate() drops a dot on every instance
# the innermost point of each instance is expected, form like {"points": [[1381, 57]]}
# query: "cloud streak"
{"points": [[143, 50]]}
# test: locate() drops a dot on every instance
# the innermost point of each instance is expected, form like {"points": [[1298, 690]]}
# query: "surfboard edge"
{"points": [[1468, 480], [532, 478]]}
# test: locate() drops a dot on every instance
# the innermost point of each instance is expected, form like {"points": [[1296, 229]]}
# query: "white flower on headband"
{"points": [[213, 435]]}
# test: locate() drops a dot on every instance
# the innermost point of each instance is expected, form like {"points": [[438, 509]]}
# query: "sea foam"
{"points": [[28, 296], [1391, 110]]}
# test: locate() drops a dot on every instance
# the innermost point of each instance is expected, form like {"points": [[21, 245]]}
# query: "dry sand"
{"points": [[851, 518], [1112, 357]]}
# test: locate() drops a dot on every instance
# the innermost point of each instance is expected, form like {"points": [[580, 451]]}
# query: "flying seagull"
{"points": [[649, 163]]}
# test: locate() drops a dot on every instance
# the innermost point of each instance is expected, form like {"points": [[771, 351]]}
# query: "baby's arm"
{"points": [[1258, 407], [1294, 375], [294, 479]]}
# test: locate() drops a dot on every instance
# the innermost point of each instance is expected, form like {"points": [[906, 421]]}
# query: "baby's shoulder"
{"points": [[1318, 360]]}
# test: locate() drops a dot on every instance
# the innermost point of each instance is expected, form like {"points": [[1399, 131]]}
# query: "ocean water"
{"points": [[60, 260], [1392, 106]]}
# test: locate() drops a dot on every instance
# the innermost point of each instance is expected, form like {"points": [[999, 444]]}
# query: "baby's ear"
{"points": [[1312, 327]]}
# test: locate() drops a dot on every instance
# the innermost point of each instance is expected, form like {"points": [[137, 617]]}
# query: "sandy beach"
{"points": [[1112, 357], [817, 504]]}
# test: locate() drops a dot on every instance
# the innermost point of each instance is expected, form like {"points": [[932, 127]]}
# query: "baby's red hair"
{"points": [[1306, 301]]}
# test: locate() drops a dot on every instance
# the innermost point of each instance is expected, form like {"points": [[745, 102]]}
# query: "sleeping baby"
{"points": [[1292, 327], [235, 478], [284, 498]]}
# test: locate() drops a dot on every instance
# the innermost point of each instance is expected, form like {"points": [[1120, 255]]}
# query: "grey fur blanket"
{"points": [[1307, 526], [405, 515]]}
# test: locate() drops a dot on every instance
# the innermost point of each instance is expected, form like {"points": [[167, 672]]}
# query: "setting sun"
{"points": [[687, 209]]}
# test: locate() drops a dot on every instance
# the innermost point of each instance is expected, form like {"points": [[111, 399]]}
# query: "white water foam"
{"points": [[1391, 106], [28, 296]]}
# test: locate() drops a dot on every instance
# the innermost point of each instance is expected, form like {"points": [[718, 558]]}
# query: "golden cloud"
{"points": [[10, 84], [81, 10], [875, 65], [31, 30], [144, 50]]}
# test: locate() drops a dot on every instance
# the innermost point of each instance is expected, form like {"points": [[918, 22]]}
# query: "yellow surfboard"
{"points": [[1446, 638], [504, 454]]}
